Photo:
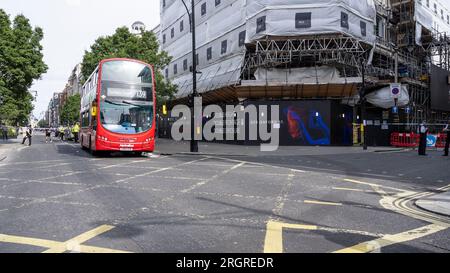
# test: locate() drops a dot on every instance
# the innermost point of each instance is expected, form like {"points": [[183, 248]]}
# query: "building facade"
{"points": [[275, 51]]}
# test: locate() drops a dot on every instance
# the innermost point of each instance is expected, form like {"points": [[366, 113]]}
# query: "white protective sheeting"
{"points": [[302, 17], [303, 75], [383, 98], [213, 77], [430, 18], [236, 22]]}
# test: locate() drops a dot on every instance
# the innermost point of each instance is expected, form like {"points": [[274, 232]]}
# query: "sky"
{"points": [[70, 27]]}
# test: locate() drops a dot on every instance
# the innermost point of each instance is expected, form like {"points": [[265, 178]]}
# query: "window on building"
{"points": [[185, 64], [172, 33], [218, 2], [203, 9], [261, 24], [167, 73], [380, 28], [164, 38], [224, 47], [242, 38], [344, 20], [181, 26], [209, 53], [197, 60], [363, 26], [303, 20], [175, 69]]}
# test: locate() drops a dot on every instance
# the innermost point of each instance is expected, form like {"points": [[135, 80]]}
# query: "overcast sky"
{"points": [[70, 27]]}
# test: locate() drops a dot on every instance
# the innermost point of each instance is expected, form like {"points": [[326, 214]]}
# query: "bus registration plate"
{"points": [[126, 149]]}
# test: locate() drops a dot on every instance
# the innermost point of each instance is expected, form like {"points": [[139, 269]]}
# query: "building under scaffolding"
{"points": [[300, 53]]}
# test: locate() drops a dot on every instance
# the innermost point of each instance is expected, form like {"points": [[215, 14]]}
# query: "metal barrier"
{"points": [[405, 140], [442, 138]]}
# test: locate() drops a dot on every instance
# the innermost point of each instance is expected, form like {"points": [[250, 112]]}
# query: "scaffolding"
{"points": [[339, 50], [396, 57]]}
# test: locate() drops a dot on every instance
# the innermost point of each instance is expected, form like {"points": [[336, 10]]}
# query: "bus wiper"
{"points": [[139, 105], [113, 102]]}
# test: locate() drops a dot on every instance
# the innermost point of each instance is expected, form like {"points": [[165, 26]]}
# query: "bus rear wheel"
{"points": [[91, 151], [82, 144]]}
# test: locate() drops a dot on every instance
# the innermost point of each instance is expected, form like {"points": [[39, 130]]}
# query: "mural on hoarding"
{"points": [[306, 126]]}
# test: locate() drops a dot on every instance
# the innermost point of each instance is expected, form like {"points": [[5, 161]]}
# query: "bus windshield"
{"points": [[126, 103]]}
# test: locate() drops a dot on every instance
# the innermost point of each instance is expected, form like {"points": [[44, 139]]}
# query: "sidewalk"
{"points": [[439, 203], [166, 146], [7, 146]]}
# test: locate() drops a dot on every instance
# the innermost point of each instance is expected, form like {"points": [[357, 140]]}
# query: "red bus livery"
{"points": [[118, 107]]}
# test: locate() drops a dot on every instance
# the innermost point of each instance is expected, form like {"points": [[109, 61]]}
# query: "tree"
{"points": [[124, 44], [70, 113], [43, 124], [21, 62]]}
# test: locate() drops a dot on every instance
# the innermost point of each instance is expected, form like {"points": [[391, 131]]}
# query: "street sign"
{"points": [[396, 90], [432, 140]]}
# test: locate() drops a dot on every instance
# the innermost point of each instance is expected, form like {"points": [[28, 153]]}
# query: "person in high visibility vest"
{"points": [[61, 132], [76, 131]]}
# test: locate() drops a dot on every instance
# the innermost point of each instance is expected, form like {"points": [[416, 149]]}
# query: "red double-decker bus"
{"points": [[118, 107]]}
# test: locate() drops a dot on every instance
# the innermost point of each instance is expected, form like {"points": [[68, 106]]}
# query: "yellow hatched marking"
{"points": [[273, 242], [389, 240], [348, 189], [75, 244], [322, 203]]}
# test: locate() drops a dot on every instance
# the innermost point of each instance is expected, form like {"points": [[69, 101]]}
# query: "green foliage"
{"points": [[70, 113], [12, 132], [124, 44], [43, 124], [21, 62]]}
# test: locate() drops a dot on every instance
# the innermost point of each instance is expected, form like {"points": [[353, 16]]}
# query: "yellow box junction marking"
{"points": [[274, 235], [389, 240], [313, 202], [74, 244]]}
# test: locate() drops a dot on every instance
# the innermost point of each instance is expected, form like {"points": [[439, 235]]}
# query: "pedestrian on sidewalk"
{"points": [[28, 135], [4, 132], [447, 142], [423, 130]]}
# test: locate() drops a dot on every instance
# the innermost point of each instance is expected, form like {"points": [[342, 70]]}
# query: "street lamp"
{"points": [[362, 94], [35, 94], [194, 143]]}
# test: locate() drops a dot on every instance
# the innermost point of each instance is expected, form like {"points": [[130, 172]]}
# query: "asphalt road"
{"points": [[58, 198]]}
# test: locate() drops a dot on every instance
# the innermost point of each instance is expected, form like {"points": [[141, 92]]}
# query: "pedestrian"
{"points": [[48, 136], [28, 135], [4, 132], [76, 131], [423, 130], [61, 133], [447, 142]]}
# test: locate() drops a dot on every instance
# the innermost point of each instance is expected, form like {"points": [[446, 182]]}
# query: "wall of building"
{"points": [[224, 26]]}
